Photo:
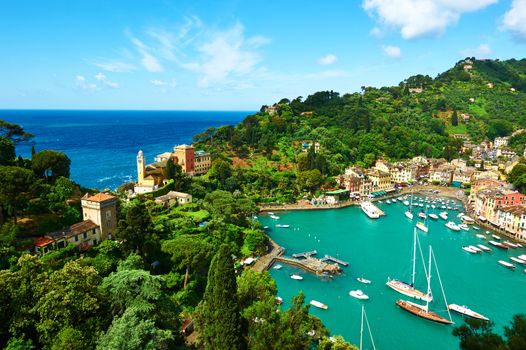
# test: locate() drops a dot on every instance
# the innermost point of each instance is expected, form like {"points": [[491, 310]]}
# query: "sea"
{"points": [[382, 248], [103, 145]]}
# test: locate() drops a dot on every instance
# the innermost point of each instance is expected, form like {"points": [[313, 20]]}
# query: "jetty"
{"points": [[312, 265], [304, 254], [335, 260]]}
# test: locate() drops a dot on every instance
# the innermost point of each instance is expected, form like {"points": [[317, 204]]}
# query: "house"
{"points": [[383, 165], [500, 142], [101, 208], [83, 234], [512, 219], [203, 162], [381, 180], [306, 146], [442, 173], [174, 197], [505, 152], [463, 176], [402, 173]]}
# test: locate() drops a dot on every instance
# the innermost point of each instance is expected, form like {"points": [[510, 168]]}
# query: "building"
{"points": [[512, 219], [381, 181], [174, 197], [203, 162], [151, 176], [442, 173], [500, 142], [306, 146], [83, 234], [505, 152], [185, 157], [102, 210], [383, 165], [463, 176], [403, 173]]}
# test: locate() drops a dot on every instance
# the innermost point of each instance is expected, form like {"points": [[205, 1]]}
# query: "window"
{"points": [[85, 235], [108, 214], [76, 238]]}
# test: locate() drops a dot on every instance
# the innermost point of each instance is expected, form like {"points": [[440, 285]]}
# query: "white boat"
{"points": [[279, 300], [464, 310], [498, 244], [282, 226], [408, 289], [523, 256], [277, 267], [318, 304], [274, 217], [406, 203], [433, 206], [475, 248], [464, 227], [509, 244], [422, 215], [370, 210], [495, 236], [394, 200], [388, 201], [506, 264], [469, 250], [518, 260], [452, 226], [363, 280], [270, 213], [433, 216], [296, 277], [443, 215], [467, 220], [476, 228], [358, 294], [485, 248], [409, 215], [421, 205], [422, 227], [480, 236]]}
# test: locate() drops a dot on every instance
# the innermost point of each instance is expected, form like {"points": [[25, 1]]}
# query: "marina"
{"points": [[378, 249]]}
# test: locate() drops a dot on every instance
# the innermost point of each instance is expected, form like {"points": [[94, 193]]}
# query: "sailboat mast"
{"points": [[369, 328], [429, 277], [442, 288], [414, 258], [361, 329]]}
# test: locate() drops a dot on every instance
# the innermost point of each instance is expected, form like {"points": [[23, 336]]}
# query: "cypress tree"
{"points": [[454, 118], [221, 318]]}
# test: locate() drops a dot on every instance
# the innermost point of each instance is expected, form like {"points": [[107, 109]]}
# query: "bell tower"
{"points": [[140, 167]]}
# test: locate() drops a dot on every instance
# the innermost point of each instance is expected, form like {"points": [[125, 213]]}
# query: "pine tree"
{"points": [[454, 118], [220, 312]]}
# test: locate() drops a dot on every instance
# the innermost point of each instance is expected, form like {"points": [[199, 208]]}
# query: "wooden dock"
{"points": [[335, 260], [305, 254]]}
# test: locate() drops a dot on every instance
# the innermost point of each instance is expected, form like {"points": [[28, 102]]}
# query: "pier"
{"points": [[305, 254], [312, 265], [335, 260]]}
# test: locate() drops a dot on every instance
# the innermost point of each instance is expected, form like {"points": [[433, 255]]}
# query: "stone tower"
{"points": [[141, 167], [102, 210]]}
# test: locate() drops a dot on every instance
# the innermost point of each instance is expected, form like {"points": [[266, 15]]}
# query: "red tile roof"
{"points": [[101, 197], [43, 241]]}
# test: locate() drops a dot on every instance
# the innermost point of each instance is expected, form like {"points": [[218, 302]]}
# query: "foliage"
{"points": [[50, 165], [517, 177], [16, 190], [14, 132], [7, 151], [335, 343], [136, 230]]}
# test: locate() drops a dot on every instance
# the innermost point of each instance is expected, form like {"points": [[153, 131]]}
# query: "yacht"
{"points": [[422, 215], [452, 226], [464, 227], [433, 216], [388, 201], [277, 267], [475, 248], [498, 244], [274, 217], [358, 294], [370, 210], [464, 310], [480, 236], [467, 220], [422, 227], [509, 244], [318, 304], [406, 203], [443, 215], [523, 256]]}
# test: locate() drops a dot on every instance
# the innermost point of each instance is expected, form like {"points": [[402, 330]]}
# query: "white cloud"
{"points": [[417, 18], [156, 82], [482, 51], [377, 32], [104, 80], [148, 60], [83, 84], [326, 60], [115, 66], [392, 51], [515, 19]]}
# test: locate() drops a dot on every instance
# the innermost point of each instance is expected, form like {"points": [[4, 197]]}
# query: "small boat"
{"points": [[296, 277], [358, 294], [475, 248], [433, 206], [279, 300], [282, 226], [265, 227], [452, 226], [380, 201], [409, 215], [394, 200], [519, 245], [388, 201], [422, 227], [469, 250], [476, 228], [464, 227], [523, 257], [406, 203], [421, 205], [433, 216], [274, 217], [443, 215], [498, 244], [467, 220], [480, 236], [483, 247], [509, 244], [422, 215], [496, 237], [270, 213], [464, 310], [518, 260], [363, 280], [506, 264], [277, 267], [318, 304]]}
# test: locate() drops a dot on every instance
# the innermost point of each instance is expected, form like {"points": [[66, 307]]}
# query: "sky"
{"points": [[236, 54]]}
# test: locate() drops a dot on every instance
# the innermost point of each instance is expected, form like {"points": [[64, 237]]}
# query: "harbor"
{"points": [[378, 249]]}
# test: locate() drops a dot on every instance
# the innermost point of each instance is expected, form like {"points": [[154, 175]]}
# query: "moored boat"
{"points": [[318, 304], [443, 215], [422, 215], [480, 236], [518, 260], [358, 294], [464, 227], [475, 248], [433, 216], [370, 210], [483, 247], [277, 267], [498, 244], [469, 250], [496, 237], [422, 227], [476, 228], [464, 310], [274, 217], [509, 244], [363, 280], [522, 256], [282, 226], [506, 264], [296, 277], [452, 226], [467, 220]]}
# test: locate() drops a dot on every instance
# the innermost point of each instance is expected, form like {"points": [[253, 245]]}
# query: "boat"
{"points": [[282, 226], [270, 213], [433, 216], [279, 300], [406, 203], [388, 201], [475, 248], [467, 220], [274, 217], [506, 264], [364, 316], [363, 280], [518, 260], [358, 294], [421, 205], [277, 267], [443, 215], [422, 311], [509, 244], [476, 228], [483, 247], [469, 250], [496, 237], [408, 289], [370, 210], [498, 244], [463, 227], [464, 310], [265, 227], [296, 277], [318, 304], [422, 215], [452, 226], [523, 256], [394, 200], [409, 212], [480, 236], [422, 226]]}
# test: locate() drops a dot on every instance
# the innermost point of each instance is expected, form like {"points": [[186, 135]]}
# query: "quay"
{"points": [[305, 254], [335, 260]]}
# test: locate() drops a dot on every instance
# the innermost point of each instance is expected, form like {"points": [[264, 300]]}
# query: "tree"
{"points": [[220, 170], [335, 343], [7, 151], [478, 335], [454, 118], [137, 228], [19, 344], [253, 286], [14, 132], [17, 187], [309, 180], [71, 339], [220, 309], [50, 165], [516, 332]]}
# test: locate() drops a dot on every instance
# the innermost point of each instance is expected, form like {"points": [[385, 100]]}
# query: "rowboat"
{"points": [[318, 304], [464, 310], [506, 264]]}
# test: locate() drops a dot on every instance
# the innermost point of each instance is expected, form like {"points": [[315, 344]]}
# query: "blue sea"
{"points": [[103, 145]]}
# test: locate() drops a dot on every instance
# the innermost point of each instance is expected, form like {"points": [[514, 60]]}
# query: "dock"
{"points": [[305, 254], [312, 265], [335, 260]]}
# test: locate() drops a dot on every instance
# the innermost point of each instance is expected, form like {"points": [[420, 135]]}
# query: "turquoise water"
{"points": [[377, 249]]}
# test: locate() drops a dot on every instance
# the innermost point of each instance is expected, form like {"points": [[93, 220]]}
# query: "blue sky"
{"points": [[234, 54]]}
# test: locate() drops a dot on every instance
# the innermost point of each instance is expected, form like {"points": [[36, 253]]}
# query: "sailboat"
{"points": [[364, 316], [409, 212], [423, 310], [406, 288], [422, 225]]}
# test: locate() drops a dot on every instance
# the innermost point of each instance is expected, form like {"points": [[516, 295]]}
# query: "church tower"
{"points": [[141, 167]]}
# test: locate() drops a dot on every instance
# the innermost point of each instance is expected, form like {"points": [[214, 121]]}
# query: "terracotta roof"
{"points": [[43, 241], [100, 197], [82, 227]]}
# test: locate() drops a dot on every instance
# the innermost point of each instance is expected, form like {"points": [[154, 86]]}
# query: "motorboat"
{"points": [[483, 247], [506, 264], [358, 294], [406, 203], [480, 236], [509, 244], [523, 256], [319, 305], [476, 228], [421, 205], [282, 226], [452, 226], [498, 244], [463, 227], [469, 250], [518, 260], [496, 237], [277, 267], [443, 215], [279, 300], [274, 217], [409, 215], [388, 201], [370, 210], [363, 280], [422, 227], [475, 248], [467, 220], [433, 216], [464, 310], [296, 277], [394, 200], [422, 215]]}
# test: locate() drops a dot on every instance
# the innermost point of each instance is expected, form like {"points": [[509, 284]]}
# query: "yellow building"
{"points": [[203, 162], [102, 210]]}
